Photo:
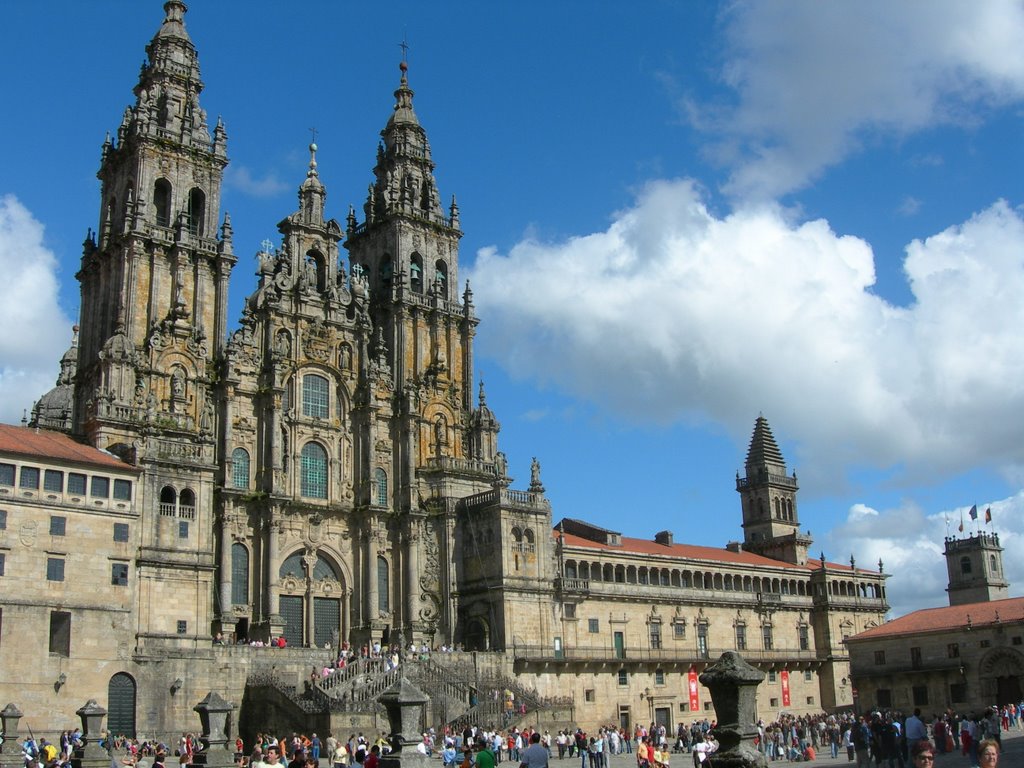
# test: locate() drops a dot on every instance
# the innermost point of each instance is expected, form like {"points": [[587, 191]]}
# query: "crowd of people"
{"points": [[879, 739]]}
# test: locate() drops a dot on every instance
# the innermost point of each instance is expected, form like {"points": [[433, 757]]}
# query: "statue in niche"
{"points": [[282, 344], [177, 385], [206, 418]]}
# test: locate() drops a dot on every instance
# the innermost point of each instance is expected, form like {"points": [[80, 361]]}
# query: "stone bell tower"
{"points": [[154, 285]]}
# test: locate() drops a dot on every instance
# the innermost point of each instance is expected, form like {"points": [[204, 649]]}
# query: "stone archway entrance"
{"points": [[1001, 672], [313, 600]]}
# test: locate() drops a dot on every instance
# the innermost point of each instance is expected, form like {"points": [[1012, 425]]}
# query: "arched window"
{"points": [[383, 585], [380, 478], [416, 273], [324, 570], [441, 277], [314, 471], [292, 566], [239, 574], [316, 397], [168, 501], [121, 705], [162, 202], [965, 565], [240, 468], [187, 504], [994, 563], [197, 212]]}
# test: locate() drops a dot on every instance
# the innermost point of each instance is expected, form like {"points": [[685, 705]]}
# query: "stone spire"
{"points": [[764, 453]]}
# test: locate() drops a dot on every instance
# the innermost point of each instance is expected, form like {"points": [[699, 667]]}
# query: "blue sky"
{"points": [[677, 216]]}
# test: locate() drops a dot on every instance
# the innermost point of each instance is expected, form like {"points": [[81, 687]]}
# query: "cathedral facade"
{"points": [[329, 472]]}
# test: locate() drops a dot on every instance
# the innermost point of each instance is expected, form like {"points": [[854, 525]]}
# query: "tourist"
{"points": [[535, 755], [988, 753]]}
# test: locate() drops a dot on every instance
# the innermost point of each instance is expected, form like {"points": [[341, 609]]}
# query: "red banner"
{"points": [[694, 698], [785, 688]]}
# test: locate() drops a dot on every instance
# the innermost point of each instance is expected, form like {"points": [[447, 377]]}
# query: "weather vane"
{"points": [[312, 132], [267, 246], [404, 45]]}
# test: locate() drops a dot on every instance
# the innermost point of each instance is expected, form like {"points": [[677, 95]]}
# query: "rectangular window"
{"points": [[121, 531], [76, 483], [772, 675], [60, 633], [55, 569], [3, 562], [659, 677], [741, 637], [3, 519], [29, 478], [915, 658], [879, 658], [656, 635], [588, 695], [58, 525], [123, 490], [100, 488], [808, 675], [884, 698], [773, 702], [805, 640], [6, 474], [593, 625], [679, 629], [182, 627], [985, 643], [119, 574], [920, 695], [702, 641], [569, 610], [183, 529], [953, 650], [766, 636], [623, 677], [53, 480], [810, 699]]}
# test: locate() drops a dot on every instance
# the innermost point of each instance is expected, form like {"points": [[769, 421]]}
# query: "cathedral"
{"points": [[326, 470]]}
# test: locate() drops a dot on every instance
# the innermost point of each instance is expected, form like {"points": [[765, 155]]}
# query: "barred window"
{"points": [[381, 482], [58, 525], [53, 480], [29, 477], [76, 483], [314, 471], [100, 488], [6, 474], [119, 574], [315, 396], [120, 531], [240, 468], [55, 569]]}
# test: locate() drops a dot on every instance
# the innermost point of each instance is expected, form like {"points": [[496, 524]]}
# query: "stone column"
{"points": [[225, 567], [273, 590], [371, 578], [412, 573]]}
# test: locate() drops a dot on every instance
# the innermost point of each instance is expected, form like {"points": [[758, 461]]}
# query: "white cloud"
{"points": [[910, 547], [674, 312], [36, 330], [815, 80], [243, 179]]}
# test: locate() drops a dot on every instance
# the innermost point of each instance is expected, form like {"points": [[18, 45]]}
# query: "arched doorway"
{"points": [[1000, 671], [121, 705], [477, 635], [313, 600]]}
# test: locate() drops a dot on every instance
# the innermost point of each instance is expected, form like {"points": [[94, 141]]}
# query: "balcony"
{"points": [[685, 656]]}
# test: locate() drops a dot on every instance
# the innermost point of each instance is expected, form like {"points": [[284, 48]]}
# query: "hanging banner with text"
{"points": [[785, 688], [694, 699]]}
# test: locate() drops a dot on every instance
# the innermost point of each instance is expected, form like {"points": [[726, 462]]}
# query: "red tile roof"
{"points": [[43, 444], [695, 552], [949, 617]]}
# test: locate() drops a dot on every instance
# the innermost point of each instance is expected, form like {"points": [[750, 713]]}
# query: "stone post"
{"points": [[733, 685], [217, 750], [92, 755], [404, 704], [10, 716]]}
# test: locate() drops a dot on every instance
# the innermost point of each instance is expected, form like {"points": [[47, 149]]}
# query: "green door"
{"points": [[620, 646]]}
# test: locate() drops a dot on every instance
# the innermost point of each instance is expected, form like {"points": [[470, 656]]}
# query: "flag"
{"points": [[974, 512], [988, 514], [961, 521]]}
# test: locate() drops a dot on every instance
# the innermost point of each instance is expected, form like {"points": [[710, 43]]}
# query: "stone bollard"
{"points": [[92, 755], [404, 704], [733, 685], [10, 716], [216, 749]]}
